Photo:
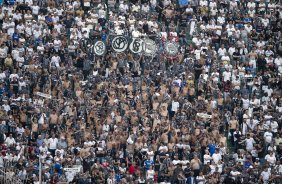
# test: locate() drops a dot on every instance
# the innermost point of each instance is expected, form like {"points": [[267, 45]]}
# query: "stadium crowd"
{"points": [[211, 113]]}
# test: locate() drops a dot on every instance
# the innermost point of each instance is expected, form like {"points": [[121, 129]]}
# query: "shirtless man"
{"points": [[168, 12], [53, 120], [233, 125], [195, 165]]}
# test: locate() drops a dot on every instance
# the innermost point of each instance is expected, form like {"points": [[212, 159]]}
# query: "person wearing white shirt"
{"points": [[37, 33], [252, 12], [14, 75], [246, 103], [248, 27], [265, 175], [145, 8], [43, 149], [225, 58], [21, 28], [35, 9], [60, 10], [55, 61], [221, 51], [249, 143], [135, 8], [231, 50], [163, 148], [197, 53], [123, 7], [136, 34], [278, 61], [189, 10], [106, 128], [40, 48], [213, 11], [17, 16], [174, 106], [207, 157], [216, 157], [270, 158], [52, 144], [20, 60], [58, 27], [226, 75], [221, 19], [10, 141], [212, 4], [265, 21], [10, 27], [57, 44], [274, 126], [166, 2], [251, 4], [233, 5], [28, 29], [203, 3], [20, 130], [6, 106], [150, 174], [268, 136], [197, 40]]}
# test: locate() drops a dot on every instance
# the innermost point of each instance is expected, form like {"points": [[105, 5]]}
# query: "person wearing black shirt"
{"points": [[236, 55], [79, 61], [68, 23], [237, 135], [14, 85], [146, 27], [23, 8], [102, 22], [159, 9], [261, 64], [198, 69]]}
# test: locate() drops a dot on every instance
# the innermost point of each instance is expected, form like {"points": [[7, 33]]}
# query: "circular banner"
{"points": [[119, 44], [150, 47], [136, 45], [99, 48], [171, 48]]}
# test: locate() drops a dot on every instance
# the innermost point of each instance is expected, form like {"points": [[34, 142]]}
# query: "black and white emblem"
{"points": [[119, 44]]}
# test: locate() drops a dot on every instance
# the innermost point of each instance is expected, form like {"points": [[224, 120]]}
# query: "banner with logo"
{"points": [[145, 46]]}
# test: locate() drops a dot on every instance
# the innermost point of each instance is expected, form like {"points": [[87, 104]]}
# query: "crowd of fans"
{"points": [[209, 114]]}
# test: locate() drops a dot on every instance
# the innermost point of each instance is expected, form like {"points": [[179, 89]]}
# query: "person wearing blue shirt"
{"points": [[247, 164], [49, 21], [191, 179], [104, 36], [247, 20], [118, 178], [212, 148], [2, 89], [39, 141], [58, 167], [11, 2], [16, 36], [148, 163], [83, 180]]}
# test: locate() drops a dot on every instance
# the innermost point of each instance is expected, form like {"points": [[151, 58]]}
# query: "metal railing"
{"points": [[9, 174]]}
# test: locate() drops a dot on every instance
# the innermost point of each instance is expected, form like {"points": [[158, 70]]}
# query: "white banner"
{"points": [[150, 47], [119, 44], [136, 45], [44, 95], [75, 169], [171, 48], [99, 48]]}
